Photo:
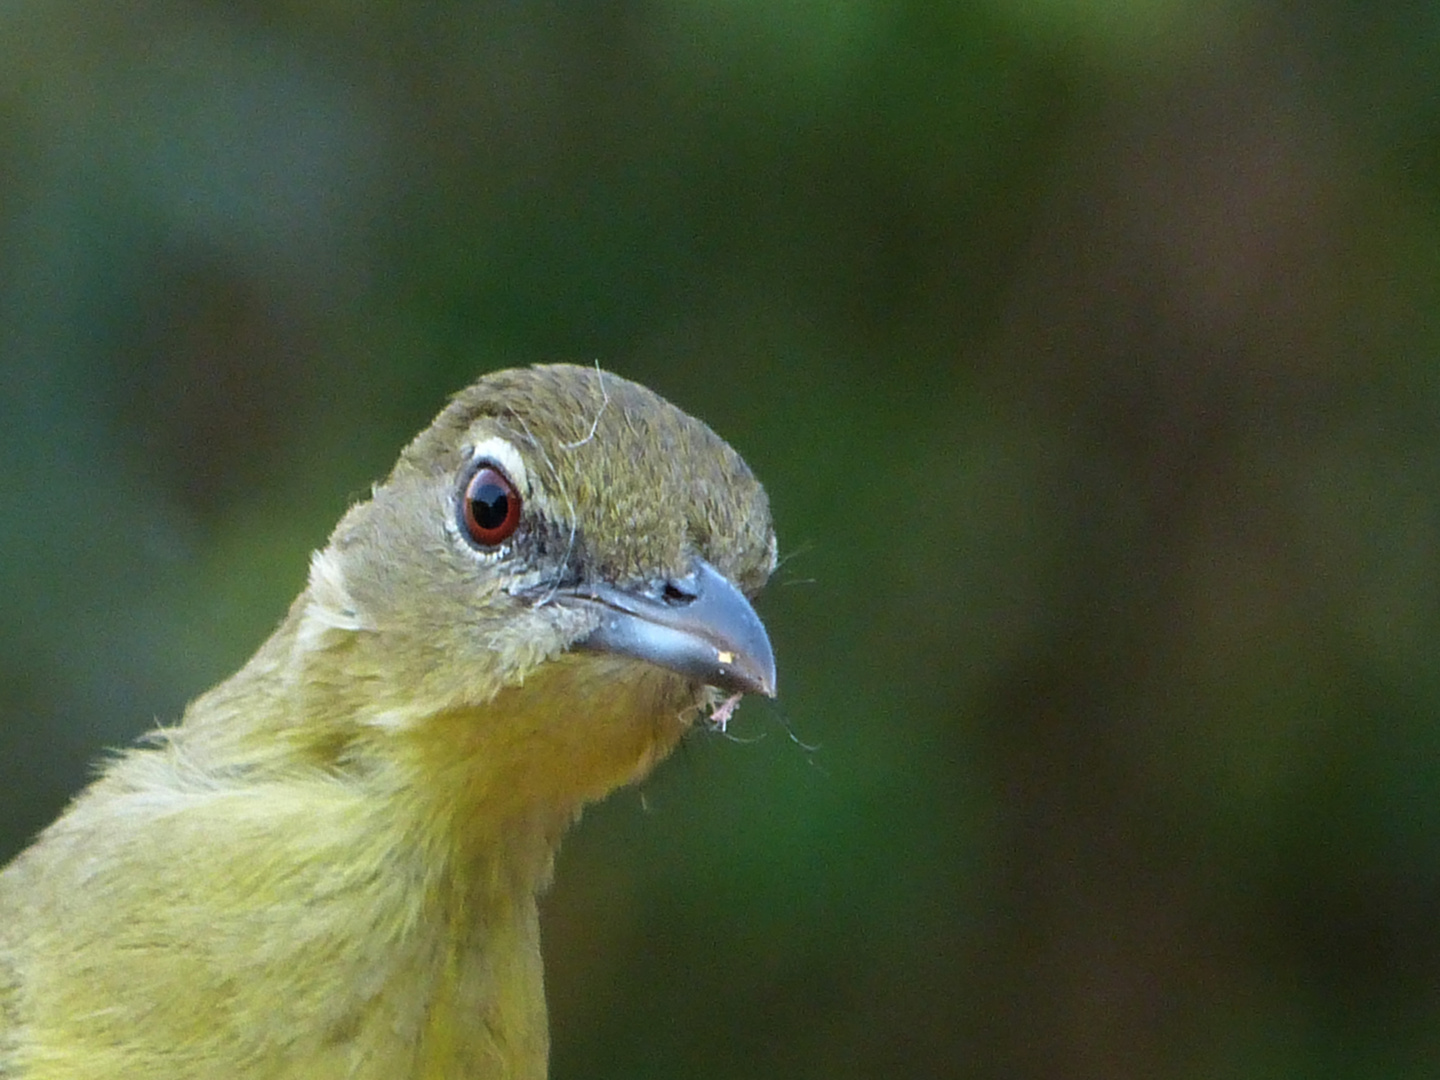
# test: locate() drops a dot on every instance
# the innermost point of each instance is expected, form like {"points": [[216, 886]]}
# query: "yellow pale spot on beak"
{"points": [[725, 657]]}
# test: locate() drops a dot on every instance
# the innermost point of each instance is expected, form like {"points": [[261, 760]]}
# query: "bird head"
{"points": [[552, 583]]}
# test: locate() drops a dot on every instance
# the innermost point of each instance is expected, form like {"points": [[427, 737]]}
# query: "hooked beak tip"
{"points": [[701, 626]]}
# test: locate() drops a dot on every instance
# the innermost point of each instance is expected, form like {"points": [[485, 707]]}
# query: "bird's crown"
{"points": [[635, 486]]}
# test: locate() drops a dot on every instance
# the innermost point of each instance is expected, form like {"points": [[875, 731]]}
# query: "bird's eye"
{"points": [[490, 507]]}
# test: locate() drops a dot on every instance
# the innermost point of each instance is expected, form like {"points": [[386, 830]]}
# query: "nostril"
{"points": [[675, 595]]}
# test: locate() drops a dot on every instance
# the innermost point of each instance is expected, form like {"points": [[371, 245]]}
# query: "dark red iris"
{"points": [[490, 507]]}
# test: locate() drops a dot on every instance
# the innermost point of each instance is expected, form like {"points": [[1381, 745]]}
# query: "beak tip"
{"points": [[747, 673], [714, 638], [766, 683]]}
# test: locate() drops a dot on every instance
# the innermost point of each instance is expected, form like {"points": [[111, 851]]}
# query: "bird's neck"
{"points": [[456, 808], [457, 860], [474, 790]]}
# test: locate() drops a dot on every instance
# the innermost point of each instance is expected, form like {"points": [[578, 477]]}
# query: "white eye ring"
{"points": [[503, 453]]}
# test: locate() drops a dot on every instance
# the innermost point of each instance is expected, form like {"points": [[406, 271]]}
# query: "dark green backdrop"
{"points": [[1089, 351]]}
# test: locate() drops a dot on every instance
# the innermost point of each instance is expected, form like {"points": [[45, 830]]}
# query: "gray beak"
{"points": [[699, 625]]}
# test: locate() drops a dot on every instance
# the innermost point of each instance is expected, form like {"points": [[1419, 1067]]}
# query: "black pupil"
{"points": [[489, 504]]}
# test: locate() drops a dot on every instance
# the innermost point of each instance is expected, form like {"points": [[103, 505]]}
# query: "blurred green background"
{"points": [[1090, 352]]}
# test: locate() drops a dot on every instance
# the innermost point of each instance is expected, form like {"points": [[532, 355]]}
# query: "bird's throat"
{"points": [[526, 762]]}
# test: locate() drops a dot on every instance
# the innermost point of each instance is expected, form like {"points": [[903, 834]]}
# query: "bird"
{"points": [[330, 866]]}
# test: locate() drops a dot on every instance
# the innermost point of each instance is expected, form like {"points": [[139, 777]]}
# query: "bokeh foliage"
{"points": [[1088, 351]]}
